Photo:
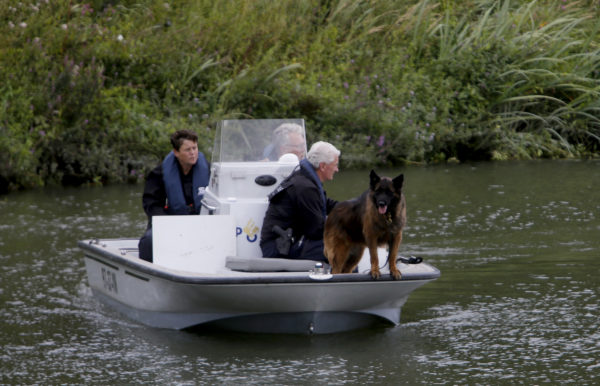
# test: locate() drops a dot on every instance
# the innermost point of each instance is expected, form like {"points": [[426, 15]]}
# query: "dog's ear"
{"points": [[374, 179], [398, 181]]}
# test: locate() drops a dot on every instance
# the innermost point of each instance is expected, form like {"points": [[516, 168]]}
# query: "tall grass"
{"points": [[533, 71], [91, 88], [548, 89]]}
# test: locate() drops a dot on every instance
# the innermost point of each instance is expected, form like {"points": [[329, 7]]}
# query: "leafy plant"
{"points": [[92, 89]]}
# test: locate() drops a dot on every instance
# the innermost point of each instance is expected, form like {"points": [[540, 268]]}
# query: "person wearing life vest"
{"points": [[176, 186], [295, 219]]}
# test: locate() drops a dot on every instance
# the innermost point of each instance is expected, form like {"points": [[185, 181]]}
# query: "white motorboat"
{"points": [[208, 269]]}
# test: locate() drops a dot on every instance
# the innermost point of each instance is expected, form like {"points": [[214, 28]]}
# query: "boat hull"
{"points": [[268, 302]]}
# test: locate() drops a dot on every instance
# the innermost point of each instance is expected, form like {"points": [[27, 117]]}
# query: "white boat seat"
{"points": [[268, 264]]}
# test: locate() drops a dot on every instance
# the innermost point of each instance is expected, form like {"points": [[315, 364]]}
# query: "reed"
{"points": [[536, 74], [389, 82]]}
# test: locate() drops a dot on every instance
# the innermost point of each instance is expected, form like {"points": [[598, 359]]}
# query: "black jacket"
{"points": [[297, 205], [154, 199]]}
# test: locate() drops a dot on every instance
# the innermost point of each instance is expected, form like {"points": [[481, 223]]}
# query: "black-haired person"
{"points": [[176, 186]]}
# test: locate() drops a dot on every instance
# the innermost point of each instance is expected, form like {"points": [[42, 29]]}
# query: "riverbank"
{"points": [[93, 89]]}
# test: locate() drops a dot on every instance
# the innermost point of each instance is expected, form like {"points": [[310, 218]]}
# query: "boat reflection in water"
{"points": [[208, 269]]}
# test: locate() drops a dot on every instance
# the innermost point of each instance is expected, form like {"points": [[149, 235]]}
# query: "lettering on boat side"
{"points": [[110, 280], [251, 231]]}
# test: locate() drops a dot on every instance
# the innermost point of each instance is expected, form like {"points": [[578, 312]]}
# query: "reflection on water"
{"points": [[517, 244]]}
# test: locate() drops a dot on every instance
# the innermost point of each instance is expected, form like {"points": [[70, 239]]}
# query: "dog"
{"points": [[375, 218]]}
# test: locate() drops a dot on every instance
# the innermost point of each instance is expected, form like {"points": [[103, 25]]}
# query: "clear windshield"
{"points": [[246, 140]]}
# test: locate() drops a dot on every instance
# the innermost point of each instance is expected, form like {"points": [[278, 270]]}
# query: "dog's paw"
{"points": [[396, 274], [375, 274]]}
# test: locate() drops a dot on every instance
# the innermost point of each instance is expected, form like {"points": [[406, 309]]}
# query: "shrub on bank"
{"points": [[92, 89]]}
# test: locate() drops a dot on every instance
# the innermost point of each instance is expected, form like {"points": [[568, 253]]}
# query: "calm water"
{"points": [[517, 243]]}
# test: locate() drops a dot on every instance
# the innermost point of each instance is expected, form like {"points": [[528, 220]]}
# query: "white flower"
{"points": [[120, 38], [23, 24], [64, 26], [11, 24]]}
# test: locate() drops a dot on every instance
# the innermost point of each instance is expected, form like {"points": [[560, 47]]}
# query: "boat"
{"points": [[208, 270]]}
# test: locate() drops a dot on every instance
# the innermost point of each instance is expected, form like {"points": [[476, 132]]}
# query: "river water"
{"points": [[518, 301]]}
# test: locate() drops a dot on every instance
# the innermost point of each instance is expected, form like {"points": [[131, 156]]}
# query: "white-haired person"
{"points": [[295, 219], [287, 138]]}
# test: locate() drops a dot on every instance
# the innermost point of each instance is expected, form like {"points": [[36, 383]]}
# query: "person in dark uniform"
{"points": [[176, 186], [295, 219]]}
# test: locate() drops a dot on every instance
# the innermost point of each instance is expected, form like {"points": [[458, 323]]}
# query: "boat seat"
{"points": [[269, 264]]}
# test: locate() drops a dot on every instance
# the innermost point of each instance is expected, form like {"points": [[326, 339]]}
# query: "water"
{"points": [[517, 303]]}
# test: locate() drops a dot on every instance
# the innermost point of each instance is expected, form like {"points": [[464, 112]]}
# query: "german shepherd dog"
{"points": [[373, 219]]}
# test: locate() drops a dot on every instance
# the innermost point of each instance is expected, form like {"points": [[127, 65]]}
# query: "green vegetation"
{"points": [[91, 89]]}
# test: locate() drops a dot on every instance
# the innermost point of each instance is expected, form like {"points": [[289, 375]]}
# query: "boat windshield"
{"points": [[245, 140]]}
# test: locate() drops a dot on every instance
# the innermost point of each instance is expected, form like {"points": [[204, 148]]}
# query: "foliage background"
{"points": [[90, 90]]}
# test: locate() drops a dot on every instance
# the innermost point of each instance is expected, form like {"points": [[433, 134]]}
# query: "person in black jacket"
{"points": [[295, 219], [176, 186]]}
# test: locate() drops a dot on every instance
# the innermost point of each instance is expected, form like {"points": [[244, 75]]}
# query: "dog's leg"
{"points": [[337, 256], [354, 256], [328, 252], [394, 245], [375, 274]]}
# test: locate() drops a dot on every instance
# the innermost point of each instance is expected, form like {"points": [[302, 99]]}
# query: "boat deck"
{"points": [[242, 269]]}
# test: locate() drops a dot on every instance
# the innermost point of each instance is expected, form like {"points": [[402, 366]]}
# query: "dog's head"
{"points": [[385, 192]]}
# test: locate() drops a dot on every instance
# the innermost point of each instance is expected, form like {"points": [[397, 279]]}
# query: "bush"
{"points": [[93, 89]]}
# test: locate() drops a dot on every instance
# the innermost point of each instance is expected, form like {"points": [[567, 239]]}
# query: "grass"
{"points": [[92, 89]]}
